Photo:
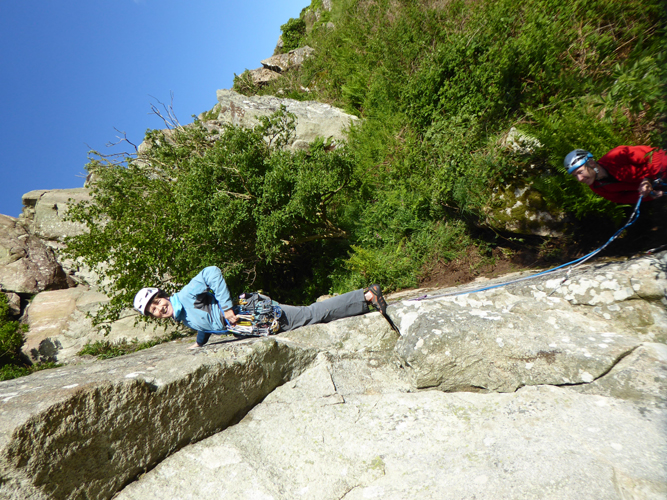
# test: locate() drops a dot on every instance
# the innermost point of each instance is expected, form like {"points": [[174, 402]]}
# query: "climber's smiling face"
{"points": [[160, 308], [586, 173]]}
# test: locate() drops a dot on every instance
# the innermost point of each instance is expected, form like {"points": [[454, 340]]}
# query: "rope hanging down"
{"points": [[574, 264]]}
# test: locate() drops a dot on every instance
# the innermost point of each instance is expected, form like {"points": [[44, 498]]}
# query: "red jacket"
{"points": [[628, 166]]}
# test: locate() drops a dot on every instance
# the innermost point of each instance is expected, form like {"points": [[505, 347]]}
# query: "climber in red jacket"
{"points": [[623, 174]]}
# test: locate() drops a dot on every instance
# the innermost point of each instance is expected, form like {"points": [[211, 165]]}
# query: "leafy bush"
{"points": [[11, 334], [244, 84], [438, 85], [235, 199], [11, 371], [103, 349], [293, 34]]}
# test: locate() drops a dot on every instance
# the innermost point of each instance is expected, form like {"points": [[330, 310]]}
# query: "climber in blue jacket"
{"points": [[205, 303]]}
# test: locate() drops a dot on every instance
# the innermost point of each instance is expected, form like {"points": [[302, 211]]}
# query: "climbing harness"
{"points": [[573, 265]]}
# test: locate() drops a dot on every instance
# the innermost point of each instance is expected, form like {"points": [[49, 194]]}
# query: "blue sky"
{"points": [[71, 71]]}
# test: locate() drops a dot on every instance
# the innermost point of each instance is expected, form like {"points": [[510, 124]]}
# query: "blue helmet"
{"points": [[576, 159]]}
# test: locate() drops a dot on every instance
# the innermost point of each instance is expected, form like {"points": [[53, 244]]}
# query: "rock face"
{"points": [[311, 439], [480, 341], [262, 76], [284, 62], [534, 390], [314, 119], [43, 212], [521, 209], [27, 265], [43, 216], [60, 328]]}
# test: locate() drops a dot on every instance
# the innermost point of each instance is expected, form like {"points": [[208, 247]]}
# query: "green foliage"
{"points": [[235, 199], [394, 263], [10, 371], [11, 333], [244, 84], [103, 349], [438, 86], [293, 34], [211, 114]]}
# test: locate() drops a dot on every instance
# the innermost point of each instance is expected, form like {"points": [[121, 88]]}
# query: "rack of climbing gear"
{"points": [[571, 265], [258, 316]]}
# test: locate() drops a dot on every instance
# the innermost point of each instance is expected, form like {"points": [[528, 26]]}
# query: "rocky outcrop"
{"points": [[283, 62], [27, 265], [517, 207], [59, 326], [273, 67], [520, 142], [531, 334], [318, 438], [43, 216], [262, 76], [520, 209], [313, 119], [546, 390], [44, 211]]}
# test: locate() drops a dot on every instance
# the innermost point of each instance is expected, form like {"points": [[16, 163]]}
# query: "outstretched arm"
{"points": [[212, 277]]}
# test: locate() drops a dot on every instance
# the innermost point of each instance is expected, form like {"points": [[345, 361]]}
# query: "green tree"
{"points": [[234, 197], [438, 85]]}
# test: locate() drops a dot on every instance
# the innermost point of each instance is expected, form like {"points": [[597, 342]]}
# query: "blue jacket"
{"points": [[196, 305]]}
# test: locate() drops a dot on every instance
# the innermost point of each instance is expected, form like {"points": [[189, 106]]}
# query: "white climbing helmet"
{"points": [[143, 297]]}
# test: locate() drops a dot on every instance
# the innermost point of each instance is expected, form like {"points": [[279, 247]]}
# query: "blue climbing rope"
{"points": [[573, 264]]}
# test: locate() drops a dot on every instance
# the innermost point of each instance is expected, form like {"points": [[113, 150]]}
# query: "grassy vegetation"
{"points": [[11, 370], [439, 84], [103, 349]]}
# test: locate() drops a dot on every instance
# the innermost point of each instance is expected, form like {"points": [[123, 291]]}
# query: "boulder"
{"points": [[521, 209], [520, 142], [313, 119], [545, 390], [14, 304], [27, 265], [284, 62], [312, 439], [44, 210], [262, 76], [86, 430], [59, 326], [536, 332]]}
